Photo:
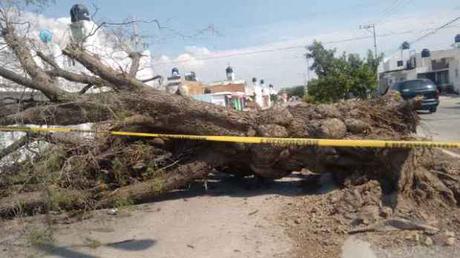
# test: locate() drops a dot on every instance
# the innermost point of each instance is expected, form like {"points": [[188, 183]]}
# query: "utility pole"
{"points": [[376, 55], [368, 27], [136, 40], [307, 75]]}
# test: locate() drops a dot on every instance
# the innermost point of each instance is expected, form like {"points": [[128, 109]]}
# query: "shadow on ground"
{"points": [[70, 252], [227, 185]]}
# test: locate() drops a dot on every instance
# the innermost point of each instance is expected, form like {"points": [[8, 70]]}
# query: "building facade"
{"points": [[440, 66]]}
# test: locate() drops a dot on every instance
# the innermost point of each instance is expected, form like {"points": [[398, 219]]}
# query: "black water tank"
{"points": [[457, 38], [79, 12], [229, 70], [405, 45], [426, 53]]}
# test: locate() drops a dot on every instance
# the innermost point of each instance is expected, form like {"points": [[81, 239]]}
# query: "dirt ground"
{"points": [[232, 219], [302, 215], [321, 230], [324, 223]]}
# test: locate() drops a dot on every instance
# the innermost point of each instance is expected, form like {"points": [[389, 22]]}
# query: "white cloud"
{"points": [[197, 51], [100, 43], [282, 63]]}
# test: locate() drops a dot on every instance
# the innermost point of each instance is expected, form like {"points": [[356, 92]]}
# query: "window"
{"points": [[442, 77]]}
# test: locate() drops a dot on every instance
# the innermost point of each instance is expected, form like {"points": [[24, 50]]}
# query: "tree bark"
{"points": [[14, 147], [41, 81], [134, 106], [143, 191]]}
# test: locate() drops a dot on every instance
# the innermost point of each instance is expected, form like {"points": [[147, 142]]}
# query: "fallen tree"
{"points": [[106, 171]]}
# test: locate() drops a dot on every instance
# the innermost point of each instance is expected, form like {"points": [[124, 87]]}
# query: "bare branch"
{"points": [[70, 76], [14, 147], [75, 77], [39, 79], [71, 113], [93, 64], [158, 77], [136, 58], [86, 88], [21, 80], [47, 59]]}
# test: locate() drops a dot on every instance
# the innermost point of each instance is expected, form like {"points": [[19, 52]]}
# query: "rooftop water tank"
{"points": [[426, 53], [457, 38], [229, 70], [175, 72], [405, 45], [78, 13]]}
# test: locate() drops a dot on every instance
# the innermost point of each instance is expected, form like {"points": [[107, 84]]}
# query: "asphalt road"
{"points": [[444, 125]]}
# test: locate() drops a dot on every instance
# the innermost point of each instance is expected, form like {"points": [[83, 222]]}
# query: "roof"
{"points": [[228, 93], [227, 82], [230, 87]]}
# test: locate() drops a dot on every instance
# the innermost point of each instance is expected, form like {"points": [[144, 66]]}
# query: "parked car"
{"points": [[422, 87]]}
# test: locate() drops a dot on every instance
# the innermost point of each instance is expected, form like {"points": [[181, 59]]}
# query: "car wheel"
{"points": [[433, 110]]}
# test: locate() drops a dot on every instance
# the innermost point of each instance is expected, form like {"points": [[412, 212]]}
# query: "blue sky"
{"points": [[243, 23], [239, 26]]}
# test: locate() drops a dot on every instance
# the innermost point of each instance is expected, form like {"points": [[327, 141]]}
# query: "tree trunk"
{"points": [[135, 169]]}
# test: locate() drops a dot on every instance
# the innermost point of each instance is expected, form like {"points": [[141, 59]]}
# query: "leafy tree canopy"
{"points": [[340, 77], [298, 91]]}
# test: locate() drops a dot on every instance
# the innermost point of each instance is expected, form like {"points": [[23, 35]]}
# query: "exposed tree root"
{"points": [[114, 169], [30, 203], [143, 191]]}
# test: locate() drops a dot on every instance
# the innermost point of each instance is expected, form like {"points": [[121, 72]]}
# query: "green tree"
{"points": [[298, 91], [340, 77]]}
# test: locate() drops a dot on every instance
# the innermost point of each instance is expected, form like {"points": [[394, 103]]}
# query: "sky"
{"points": [[266, 38]]}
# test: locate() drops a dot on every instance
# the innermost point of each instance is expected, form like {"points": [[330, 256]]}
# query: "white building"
{"points": [[96, 41], [440, 66]]}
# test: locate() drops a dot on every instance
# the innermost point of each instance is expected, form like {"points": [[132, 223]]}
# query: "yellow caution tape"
{"points": [[255, 140]]}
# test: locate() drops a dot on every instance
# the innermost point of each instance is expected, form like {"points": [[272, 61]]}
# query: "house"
{"points": [[440, 66], [237, 101], [228, 85], [233, 93], [228, 93], [187, 85]]}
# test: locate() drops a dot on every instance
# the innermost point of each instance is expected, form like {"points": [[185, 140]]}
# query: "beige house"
{"points": [[440, 66]]}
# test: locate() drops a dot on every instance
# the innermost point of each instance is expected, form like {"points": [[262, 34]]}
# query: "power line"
{"points": [[385, 12], [254, 52], [436, 30], [247, 53], [235, 54], [392, 8]]}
